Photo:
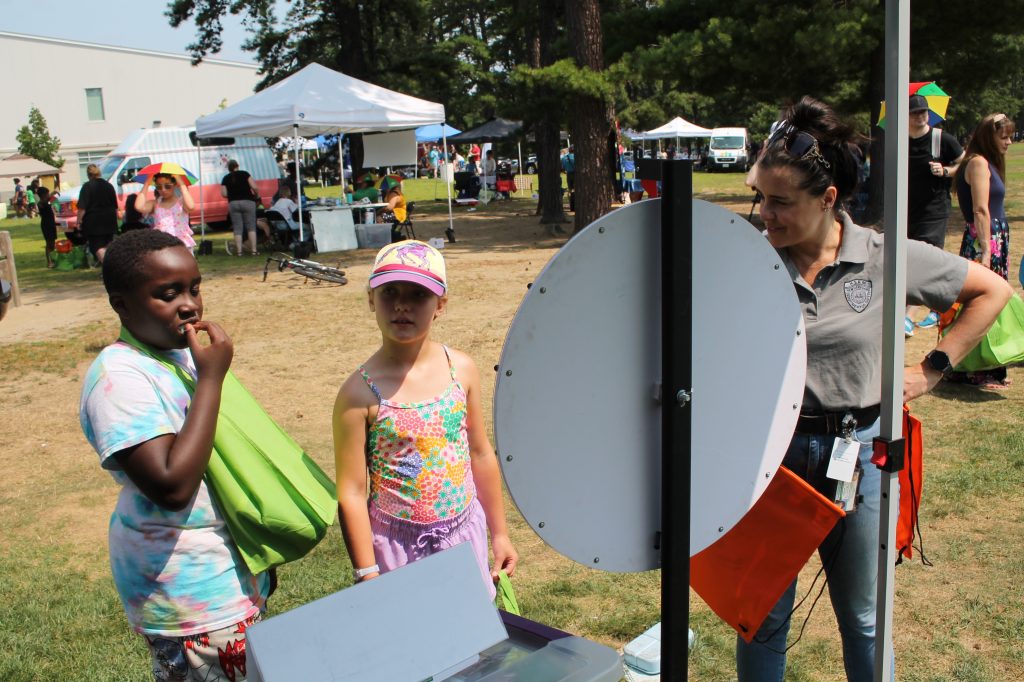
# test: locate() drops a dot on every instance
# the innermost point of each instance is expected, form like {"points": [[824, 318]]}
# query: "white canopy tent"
{"points": [[317, 100], [677, 127]]}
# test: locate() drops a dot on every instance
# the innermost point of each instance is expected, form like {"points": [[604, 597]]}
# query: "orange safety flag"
{"points": [[744, 573], [911, 482]]}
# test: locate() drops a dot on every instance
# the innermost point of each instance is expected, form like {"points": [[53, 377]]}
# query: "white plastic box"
{"points": [[644, 652]]}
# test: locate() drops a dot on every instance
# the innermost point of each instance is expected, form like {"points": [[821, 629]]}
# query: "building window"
{"points": [[85, 158], [94, 104]]}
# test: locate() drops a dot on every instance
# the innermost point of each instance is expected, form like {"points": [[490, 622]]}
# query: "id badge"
{"points": [[844, 460]]}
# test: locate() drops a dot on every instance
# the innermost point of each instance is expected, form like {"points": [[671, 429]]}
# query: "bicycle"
{"points": [[307, 268]]}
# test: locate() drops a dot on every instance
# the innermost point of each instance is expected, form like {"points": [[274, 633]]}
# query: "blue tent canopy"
{"points": [[434, 132]]}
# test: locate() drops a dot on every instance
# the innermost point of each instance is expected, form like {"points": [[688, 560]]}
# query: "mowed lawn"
{"points": [[960, 619]]}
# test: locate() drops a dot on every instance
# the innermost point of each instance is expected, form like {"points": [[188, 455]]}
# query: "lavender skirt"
{"points": [[397, 542]]}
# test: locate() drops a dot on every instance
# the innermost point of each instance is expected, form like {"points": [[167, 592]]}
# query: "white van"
{"points": [[178, 145], [728, 149]]}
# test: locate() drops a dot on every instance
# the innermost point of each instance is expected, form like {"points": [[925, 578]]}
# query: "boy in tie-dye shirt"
{"points": [[182, 582]]}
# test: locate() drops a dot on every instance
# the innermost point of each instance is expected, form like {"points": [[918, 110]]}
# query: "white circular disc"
{"points": [[577, 418]]}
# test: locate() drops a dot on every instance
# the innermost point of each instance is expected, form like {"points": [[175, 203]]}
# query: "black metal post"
{"points": [[677, 379]]}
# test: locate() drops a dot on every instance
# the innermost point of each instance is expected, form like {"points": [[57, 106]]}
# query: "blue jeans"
{"points": [[851, 574]]}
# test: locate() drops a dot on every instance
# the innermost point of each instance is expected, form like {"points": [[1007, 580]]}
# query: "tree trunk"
{"points": [[349, 23], [549, 171], [591, 117]]}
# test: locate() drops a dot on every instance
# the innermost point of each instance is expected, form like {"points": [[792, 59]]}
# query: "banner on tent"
{"points": [[390, 149]]}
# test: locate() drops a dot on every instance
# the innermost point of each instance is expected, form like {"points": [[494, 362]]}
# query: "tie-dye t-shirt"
{"points": [[177, 572]]}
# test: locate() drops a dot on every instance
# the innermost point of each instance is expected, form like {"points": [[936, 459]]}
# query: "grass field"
{"points": [[961, 619]]}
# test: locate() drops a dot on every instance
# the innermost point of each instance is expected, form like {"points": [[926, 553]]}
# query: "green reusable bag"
{"points": [[1003, 344], [79, 258], [506, 595], [65, 262], [276, 501]]}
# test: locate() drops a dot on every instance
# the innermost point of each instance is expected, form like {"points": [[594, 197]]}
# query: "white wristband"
{"points": [[361, 573]]}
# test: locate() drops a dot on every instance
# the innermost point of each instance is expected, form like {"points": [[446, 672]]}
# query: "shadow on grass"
{"points": [[965, 393]]}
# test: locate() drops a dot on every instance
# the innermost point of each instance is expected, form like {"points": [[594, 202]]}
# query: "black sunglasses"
{"points": [[798, 144]]}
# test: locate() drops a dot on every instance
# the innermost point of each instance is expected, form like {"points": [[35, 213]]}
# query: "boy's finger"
{"points": [[192, 338]]}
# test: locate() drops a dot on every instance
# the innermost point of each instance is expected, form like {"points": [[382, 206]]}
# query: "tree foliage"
{"points": [[715, 63], [35, 140]]}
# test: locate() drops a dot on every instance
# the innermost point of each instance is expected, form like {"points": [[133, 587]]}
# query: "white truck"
{"points": [[728, 150], [209, 162]]}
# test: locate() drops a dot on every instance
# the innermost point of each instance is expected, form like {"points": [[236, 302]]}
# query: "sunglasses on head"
{"points": [[798, 144], [167, 186]]}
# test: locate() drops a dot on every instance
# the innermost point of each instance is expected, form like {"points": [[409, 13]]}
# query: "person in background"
{"points": [[569, 167], [366, 188], [933, 157], [133, 220], [807, 173], [97, 212], [434, 159], [31, 198], [980, 191], [170, 207], [48, 224], [490, 171], [241, 191], [18, 200], [395, 211]]}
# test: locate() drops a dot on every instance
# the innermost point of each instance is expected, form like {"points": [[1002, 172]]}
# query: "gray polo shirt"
{"points": [[843, 313]]}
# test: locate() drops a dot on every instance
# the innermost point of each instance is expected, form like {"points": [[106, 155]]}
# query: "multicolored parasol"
{"points": [[938, 102], [187, 178]]}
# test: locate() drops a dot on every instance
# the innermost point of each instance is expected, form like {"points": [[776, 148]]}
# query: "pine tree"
{"points": [[36, 141]]}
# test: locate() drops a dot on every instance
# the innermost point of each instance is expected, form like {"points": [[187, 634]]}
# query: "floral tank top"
{"points": [[418, 455]]}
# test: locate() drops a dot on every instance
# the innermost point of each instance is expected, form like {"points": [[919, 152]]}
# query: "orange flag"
{"points": [[743, 574], [911, 483]]}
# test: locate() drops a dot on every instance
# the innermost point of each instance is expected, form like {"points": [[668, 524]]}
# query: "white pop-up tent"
{"points": [[317, 100], [677, 127]]}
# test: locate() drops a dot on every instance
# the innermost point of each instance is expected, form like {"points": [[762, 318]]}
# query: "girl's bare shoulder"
{"points": [[355, 392], [463, 363]]}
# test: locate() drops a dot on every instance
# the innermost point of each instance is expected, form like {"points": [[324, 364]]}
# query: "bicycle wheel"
{"points": [[323, 274]]}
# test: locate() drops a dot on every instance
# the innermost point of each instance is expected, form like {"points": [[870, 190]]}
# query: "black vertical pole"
{"points": [[677, 376]]}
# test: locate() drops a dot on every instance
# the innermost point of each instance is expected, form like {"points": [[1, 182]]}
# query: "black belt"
{"points": [[831, 423]]}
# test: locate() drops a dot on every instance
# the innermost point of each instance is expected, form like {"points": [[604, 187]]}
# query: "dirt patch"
{"points": [[49, 313]]}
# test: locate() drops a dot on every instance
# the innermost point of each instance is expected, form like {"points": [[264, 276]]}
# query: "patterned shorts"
{"points": [[208, 656]]}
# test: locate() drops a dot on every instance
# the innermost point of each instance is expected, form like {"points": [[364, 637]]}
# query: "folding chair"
{"points": [[404, 229]]}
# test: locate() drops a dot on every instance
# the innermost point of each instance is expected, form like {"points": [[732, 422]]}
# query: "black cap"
{"points": [[918, 103]]}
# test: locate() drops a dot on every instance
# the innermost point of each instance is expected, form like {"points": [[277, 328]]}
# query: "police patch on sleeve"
{"points": [[858, 293]]}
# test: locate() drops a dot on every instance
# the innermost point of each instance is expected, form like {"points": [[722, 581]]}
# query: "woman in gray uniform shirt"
{"points": [[806, 173]]}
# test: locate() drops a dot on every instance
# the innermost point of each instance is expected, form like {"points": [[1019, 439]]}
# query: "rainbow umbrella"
{"points": [[938, 102], [168, 168]]}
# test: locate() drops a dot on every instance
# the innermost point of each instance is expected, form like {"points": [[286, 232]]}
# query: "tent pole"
{"points": [[298, 177], [341, 166], [447, 185], [897, 81], [519, 148], [202, 206]]}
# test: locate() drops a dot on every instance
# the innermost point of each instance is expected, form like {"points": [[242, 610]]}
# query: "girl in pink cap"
{"points": [[410, 421]]}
